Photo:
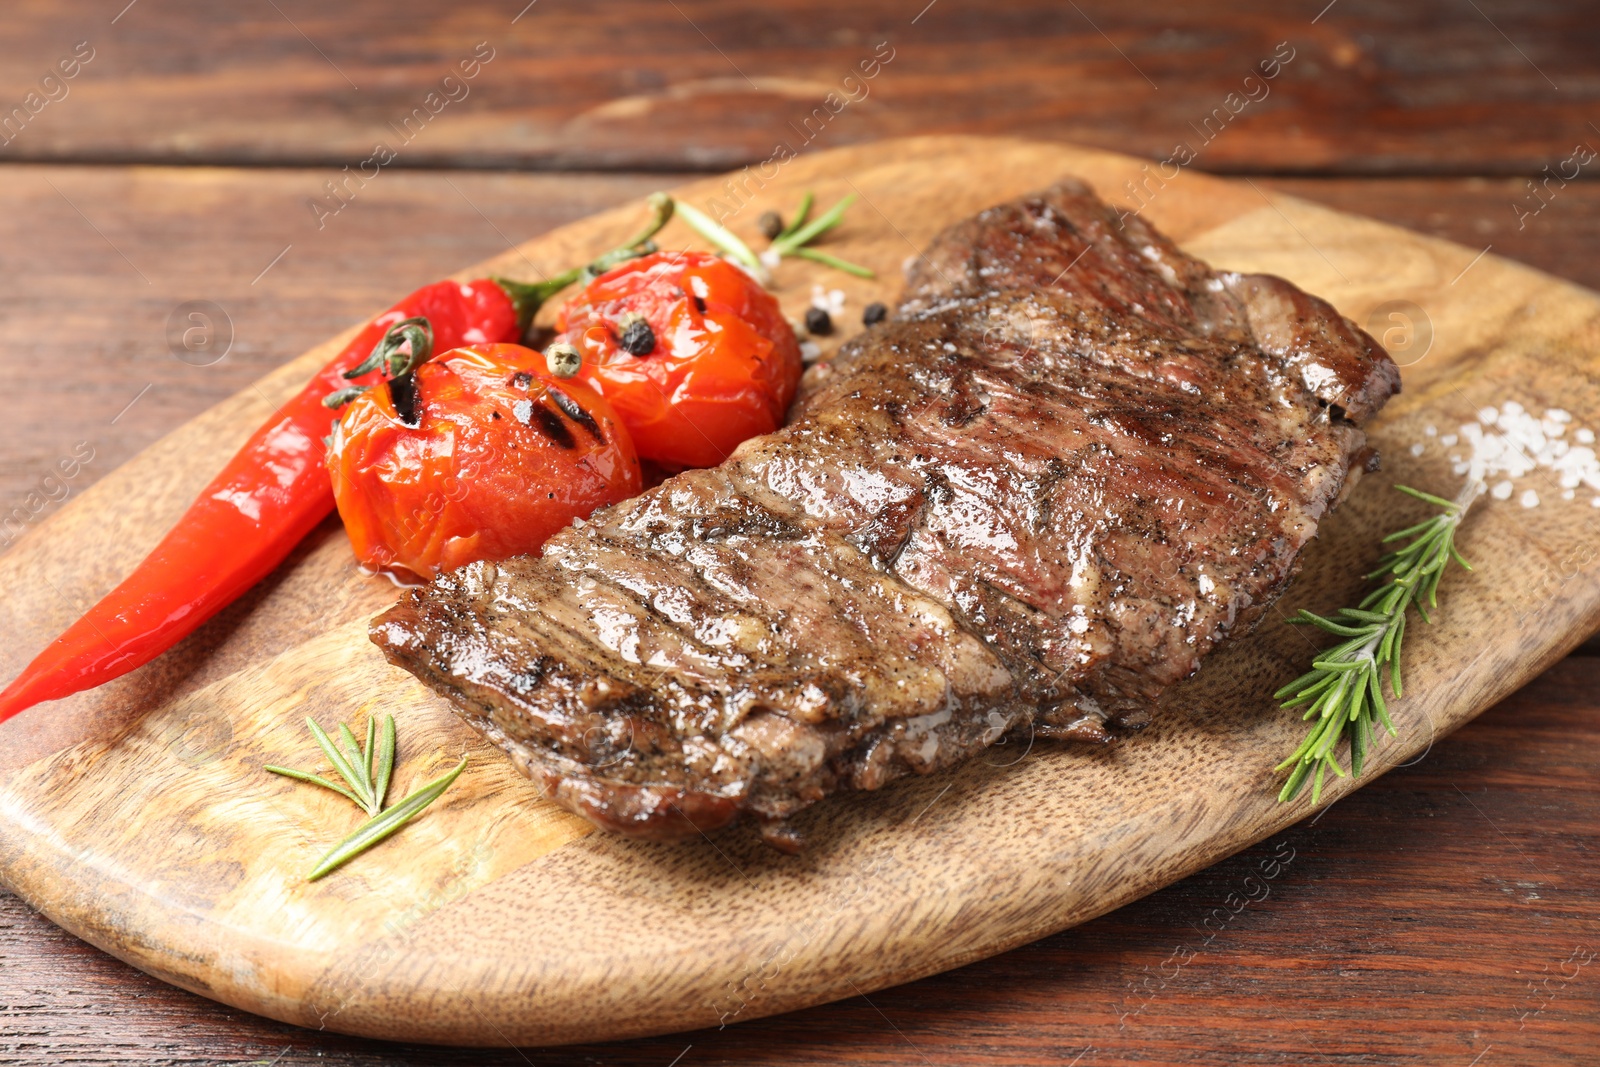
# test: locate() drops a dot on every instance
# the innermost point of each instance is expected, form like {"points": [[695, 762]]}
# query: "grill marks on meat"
{"points": [[1073, 462]]}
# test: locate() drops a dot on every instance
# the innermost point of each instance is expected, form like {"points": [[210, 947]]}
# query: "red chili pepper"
{"points": [[272, 493]]}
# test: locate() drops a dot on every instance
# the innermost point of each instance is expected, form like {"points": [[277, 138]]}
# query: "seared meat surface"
{"points": [[1072, 462]]}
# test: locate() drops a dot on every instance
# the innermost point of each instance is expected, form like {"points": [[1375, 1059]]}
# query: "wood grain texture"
{"points": [[998, 855], [98, 259], [1393, 936], [1496, 86]]}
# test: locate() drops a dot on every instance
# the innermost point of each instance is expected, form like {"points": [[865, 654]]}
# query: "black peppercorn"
{"points": [[818, 322], [770, 223], [639, 338], [875, 313]]}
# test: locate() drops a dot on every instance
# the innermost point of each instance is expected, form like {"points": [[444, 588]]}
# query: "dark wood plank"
{"points": [[1497, 86], [1446, 912], [97, 260]]}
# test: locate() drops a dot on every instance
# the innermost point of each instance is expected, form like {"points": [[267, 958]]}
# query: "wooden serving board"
{"points": [[138, 816]]}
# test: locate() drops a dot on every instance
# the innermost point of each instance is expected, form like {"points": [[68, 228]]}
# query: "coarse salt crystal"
{"points": [[1519, 444], [1416, 449]]}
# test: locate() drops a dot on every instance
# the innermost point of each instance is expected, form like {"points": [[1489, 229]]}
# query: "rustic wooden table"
{"points": [[1445, 915]]}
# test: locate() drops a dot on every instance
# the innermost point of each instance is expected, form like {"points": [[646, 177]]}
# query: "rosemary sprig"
{"points": [[794, 237], [792, 240], [366, 789], [382, 826], [366, 769], [1343, 691]]}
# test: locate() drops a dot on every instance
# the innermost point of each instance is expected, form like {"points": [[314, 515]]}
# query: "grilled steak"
{"points": [[1072, 462]]}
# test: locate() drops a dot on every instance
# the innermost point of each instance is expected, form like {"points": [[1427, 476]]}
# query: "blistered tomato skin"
{"points": [[724, 366], [499, 462]]}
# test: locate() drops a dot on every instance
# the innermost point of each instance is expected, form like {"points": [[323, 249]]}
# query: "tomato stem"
{"points": [[528, 297]]}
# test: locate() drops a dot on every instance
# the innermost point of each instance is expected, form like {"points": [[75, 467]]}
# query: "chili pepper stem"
{"points": [[528, 297]]}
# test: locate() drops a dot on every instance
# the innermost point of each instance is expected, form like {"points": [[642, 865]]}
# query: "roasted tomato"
{"points": [[694, 355], [503, 455]]}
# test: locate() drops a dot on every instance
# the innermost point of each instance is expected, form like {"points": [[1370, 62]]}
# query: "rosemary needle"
{"points": [[1343, 691], [835, 262], [359, 762], [386, 746], [303, 776], [802, 213]]}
